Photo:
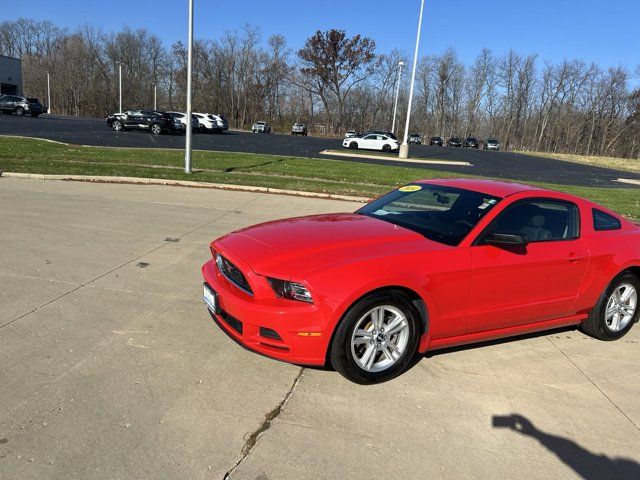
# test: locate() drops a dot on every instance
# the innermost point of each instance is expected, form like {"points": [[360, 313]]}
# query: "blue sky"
{"points": [[605, 32]]}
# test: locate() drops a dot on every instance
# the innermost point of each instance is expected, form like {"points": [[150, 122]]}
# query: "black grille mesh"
{"points": [[233, 273]]}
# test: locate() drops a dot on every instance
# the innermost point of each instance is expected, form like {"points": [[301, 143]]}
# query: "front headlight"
{"points": [[290, 290]]}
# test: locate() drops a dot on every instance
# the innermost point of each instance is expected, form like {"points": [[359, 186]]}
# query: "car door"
{"points": [[510, 287], [131, 119], [369, 142]]}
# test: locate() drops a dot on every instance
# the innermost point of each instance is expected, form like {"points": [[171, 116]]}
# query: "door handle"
{"points": [[575, 258]]}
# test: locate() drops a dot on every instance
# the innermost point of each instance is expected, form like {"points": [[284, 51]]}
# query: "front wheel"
{"points": [[117, 125], [20, 111], [377, 339], [353, 146], [155, 129], [617, 309]]}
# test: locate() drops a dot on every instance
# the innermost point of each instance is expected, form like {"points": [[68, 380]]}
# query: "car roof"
{"points": [[490, 187]]}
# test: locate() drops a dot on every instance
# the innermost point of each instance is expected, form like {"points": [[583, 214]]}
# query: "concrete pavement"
{"points": [[113, 369]]}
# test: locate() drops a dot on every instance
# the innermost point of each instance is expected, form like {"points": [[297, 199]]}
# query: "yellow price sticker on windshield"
{"points": [[410, 188]]}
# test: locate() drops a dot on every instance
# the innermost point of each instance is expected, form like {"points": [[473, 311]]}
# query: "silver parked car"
{"points": [[491, 144], [299, 129], [261, 127]]}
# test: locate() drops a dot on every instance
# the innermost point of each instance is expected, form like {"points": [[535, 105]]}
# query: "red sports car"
{"points": [[432, 264]]}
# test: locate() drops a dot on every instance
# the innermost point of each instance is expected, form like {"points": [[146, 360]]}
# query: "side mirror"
{"points": [[507, 240]]}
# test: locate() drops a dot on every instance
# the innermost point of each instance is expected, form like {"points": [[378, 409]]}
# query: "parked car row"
{"points": [[469, 142], [21, 105], [166, 122]]}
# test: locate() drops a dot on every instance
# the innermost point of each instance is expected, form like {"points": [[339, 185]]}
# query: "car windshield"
{"points": [[491, 140], [443, 214]]}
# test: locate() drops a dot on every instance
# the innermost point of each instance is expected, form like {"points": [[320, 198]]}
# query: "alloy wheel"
{"points": [[380, 338], [621, 307]]}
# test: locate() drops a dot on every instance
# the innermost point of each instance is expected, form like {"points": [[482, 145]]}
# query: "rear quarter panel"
{"points": [[610, 251]]}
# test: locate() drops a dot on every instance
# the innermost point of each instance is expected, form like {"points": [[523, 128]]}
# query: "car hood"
{"points": [[299, 247]]}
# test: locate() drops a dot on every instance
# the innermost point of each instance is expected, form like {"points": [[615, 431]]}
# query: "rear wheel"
{"points": [[353, 145], [155, 128], [20, 111], [377, 338], [386, 148], [117, 125], [617, 309]]}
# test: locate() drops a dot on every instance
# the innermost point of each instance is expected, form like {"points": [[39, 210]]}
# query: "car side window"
{"points": [[371, 137], [603, 221], [540, 220]]}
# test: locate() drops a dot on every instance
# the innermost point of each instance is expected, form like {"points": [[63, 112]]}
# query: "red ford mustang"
{"points": [[432, 264]]}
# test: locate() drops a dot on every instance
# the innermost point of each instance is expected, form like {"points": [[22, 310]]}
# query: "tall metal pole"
{"points": [[189, 133], [155, 96], [395, 106], [120, 84], [404, 148], [48, 94]]}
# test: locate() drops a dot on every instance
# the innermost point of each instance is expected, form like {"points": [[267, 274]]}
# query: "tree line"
{"points": [[334, 83]]}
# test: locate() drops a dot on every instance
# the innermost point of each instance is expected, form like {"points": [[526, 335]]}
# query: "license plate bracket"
{"points": [[210, 298]]}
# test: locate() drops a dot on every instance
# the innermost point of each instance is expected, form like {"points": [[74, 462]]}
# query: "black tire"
{"points": [[34, 114], [595, 325], [353, 145], [20, 111], [155, 128], [386, 148], [341, 356], [117, 125]]}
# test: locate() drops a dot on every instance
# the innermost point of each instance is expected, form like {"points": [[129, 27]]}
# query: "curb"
{"points": [[182, 183], [395, 159], [629, 181]]}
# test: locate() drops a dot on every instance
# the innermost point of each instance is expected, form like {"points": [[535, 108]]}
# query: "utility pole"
{"points": [[120, 84], [155, 96], [395, 106], [48, 94], [189, 132], [404, 148]]}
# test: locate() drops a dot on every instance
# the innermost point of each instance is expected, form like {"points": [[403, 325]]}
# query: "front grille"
{"points": [[231, 321], [233, 273]]}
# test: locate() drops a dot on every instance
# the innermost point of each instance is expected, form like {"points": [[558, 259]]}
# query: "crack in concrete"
{"points": [[252, 439], [595, 385]]}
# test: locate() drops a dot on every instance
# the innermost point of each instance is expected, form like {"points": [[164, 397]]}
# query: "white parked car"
{"points": [[372, 141], [350, 134], [211, 123], [261, 127], [182, 118]]}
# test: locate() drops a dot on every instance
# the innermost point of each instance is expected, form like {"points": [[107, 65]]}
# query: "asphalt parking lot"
{"points": [[113, 369], [507, 165]]}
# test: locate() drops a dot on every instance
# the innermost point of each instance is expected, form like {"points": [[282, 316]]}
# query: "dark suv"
{"points": [[20, 105], [471, 142], [437, 141], [454, 142], [154, 122]]}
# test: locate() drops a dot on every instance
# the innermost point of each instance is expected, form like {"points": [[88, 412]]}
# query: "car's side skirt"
{"points": [[505, 332]]}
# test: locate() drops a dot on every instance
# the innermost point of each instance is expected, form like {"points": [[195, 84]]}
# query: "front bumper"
{"points": [[302, 329]]}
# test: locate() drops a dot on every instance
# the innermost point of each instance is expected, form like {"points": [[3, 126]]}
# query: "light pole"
{"points": [[155, 96], [120, 84], [404, 148], [189, 133], [395, 105], [48, 94]]}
